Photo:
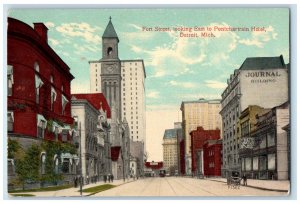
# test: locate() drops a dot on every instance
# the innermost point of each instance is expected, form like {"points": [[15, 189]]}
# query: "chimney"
{"points": [[42, 30]]}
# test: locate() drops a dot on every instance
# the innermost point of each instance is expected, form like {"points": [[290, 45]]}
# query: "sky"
{"points": [[177, 68]]}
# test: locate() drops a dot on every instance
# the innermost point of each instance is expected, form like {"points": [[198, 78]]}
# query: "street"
{"points": [[179, 186]]}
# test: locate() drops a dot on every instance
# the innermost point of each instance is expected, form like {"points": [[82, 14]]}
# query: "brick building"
{"points": [[212, 151], [198, 139], [38, 88]]}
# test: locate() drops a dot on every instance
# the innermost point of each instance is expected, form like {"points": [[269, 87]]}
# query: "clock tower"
{"points": [[111, 69]]}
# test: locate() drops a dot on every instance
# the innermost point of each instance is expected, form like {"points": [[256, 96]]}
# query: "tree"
{"points": [[27, 167]]}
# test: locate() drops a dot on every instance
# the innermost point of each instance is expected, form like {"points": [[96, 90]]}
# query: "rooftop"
{"points": [[172, 133], [110, 31], [258, 63]]}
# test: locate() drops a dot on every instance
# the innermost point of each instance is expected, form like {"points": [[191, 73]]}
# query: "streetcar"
{"points": [[162, 173]]}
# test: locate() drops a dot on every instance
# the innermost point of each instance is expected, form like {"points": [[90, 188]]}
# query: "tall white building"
{"points": [[198, 113], [132, 94], [124, 77]]}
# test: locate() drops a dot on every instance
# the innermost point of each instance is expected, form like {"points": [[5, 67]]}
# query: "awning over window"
{"points": [[10, 115], [10, 72], [56, 125], [41, 118], [38, 82], [115, 152], [53, 93], [64, 100]]}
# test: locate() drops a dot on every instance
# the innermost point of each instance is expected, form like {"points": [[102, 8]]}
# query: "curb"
{"points": [[256, 187]]}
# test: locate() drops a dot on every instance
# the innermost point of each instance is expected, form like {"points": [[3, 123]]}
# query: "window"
{"points": [[64, 103], [53, 97], [10, 121], [66, 165], [10, 79], [43, 163], [36, 67], [41, 126], [38, 84], [10, 167]]}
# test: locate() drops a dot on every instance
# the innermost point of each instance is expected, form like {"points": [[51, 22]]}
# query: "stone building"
{"points": [[170, 149], [122, 83], [198, 113], [91, 113], [266, 156], [261, 81]]}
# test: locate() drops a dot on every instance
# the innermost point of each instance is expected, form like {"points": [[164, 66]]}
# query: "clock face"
{"points": [[110, 68]]}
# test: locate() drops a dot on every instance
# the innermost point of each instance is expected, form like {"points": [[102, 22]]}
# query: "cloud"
{"points": [[49, 24], [83, 30], [182, 84], [260, 38], [135, 26], [136, 49], [215, 84], [54, 42], [187, 55], [152, 94]]}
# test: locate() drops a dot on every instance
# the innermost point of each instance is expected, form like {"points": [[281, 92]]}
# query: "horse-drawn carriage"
{"points": [[234, 178]]}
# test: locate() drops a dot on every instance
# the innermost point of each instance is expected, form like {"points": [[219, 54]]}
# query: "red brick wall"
{"points": [[24, 48], [198, 138], [212, 154]]}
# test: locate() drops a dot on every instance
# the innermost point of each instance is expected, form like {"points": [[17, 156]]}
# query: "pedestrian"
{"points": [[108, 178], [112, 178], [244, 180], [105, 178], [75, 182]]}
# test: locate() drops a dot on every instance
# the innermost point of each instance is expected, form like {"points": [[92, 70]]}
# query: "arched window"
{"points": [[109, 51], [43, 163]]}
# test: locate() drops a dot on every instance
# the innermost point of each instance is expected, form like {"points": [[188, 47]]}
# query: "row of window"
{"points": [[38, 84]]}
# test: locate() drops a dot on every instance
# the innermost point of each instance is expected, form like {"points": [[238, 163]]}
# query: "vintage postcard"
{"points": [[183, 102]]}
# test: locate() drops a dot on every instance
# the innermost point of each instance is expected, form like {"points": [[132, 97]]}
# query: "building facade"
{"points": [[261, 81], [198, 139], [203, 113], [267, 155], [38, 91], [92, 114], [91, 146], [212, 153], [131, 84], [170, 149]]}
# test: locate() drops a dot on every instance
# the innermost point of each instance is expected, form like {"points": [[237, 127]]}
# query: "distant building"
{"points": [[261, 81], [212, 151], [170, 149], [198, 138], [137, 155], [198, 113]]}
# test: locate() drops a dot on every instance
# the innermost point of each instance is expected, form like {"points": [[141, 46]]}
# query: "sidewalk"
{"points": [[74, 192], [270, 185]]}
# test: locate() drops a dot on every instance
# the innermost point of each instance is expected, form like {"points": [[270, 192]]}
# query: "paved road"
{"points": [[172, 186]]}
